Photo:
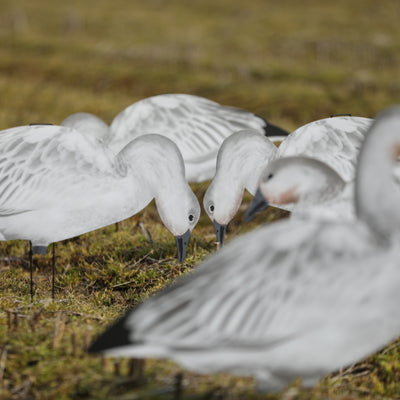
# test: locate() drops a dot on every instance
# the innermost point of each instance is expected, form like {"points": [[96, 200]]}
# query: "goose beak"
{"points": [[181, 244], [257, 204], [219, 232]]}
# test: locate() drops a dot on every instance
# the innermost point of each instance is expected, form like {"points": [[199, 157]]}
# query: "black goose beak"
{"points": [[257, 204], [181, 244], [219, 232]]}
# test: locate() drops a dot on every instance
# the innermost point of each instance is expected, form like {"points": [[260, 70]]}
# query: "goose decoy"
{"points": [[57, 183], [292, 299], [243, 156], [240, 162], [306, 187], [197, 126]]}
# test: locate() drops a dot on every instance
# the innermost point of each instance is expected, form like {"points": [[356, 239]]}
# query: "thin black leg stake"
{"points": [[31, 265], [54, 268]]}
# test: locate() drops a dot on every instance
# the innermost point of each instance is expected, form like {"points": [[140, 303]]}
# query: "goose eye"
{"points": [[191, 217], [270, 176], [211, 208]]}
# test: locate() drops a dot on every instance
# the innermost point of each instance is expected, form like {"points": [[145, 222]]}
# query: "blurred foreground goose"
{"points": [[197, 125], [243, 156], [292, 299], [57, 183]]}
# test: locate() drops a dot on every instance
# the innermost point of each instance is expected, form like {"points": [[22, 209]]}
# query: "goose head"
{"points": [[179, 211], [288, 181], [240, 161], [157, 164], [221, 203]]}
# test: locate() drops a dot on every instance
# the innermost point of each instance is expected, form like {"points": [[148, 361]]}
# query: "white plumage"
{"points": [[197, 125], [244, 155], [306, 187], [335, 141], [57, 182], [89, 123], [291, 299]]}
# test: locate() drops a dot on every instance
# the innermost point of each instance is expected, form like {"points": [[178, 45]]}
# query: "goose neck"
{"points": [[377, 196]]}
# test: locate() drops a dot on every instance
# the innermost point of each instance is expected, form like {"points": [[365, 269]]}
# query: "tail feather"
{"points": [[118, 335], [273, 130]]}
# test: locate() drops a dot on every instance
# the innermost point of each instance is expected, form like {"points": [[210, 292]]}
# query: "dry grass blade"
{"points": [[140, 260], [58, 329], [146, 233], [3, 359]]}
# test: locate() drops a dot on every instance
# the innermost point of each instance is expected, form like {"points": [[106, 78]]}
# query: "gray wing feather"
{"points": [[39, 164], [182, 118], [249, 293], [335, 141]]}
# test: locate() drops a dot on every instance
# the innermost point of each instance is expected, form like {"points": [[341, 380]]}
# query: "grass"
{"points": [[291, 62]]}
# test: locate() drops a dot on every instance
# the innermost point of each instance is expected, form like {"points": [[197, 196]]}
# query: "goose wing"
{"points": [[197, 125], [266, 287], [40, 165], [335, 141]]}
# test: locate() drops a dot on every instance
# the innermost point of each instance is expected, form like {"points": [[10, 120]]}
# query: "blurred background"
{"points": [[289, 61]]}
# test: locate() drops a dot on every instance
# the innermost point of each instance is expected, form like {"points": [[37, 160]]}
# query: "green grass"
{"points": [[289, 61]]}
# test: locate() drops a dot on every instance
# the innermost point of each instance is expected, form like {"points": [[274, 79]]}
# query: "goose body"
{"points": [[57, 182], [306, 187], [335, 141], [242, 158], [197, 125], [87, 123], [292, 299]]}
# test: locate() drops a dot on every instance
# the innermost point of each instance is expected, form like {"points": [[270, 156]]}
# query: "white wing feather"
{"points": [[249, 294], [195, 124], [35, 157], [335, 141]]}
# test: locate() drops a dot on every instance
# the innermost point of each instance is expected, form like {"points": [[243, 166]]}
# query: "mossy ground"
{"points": [[288, 61]]}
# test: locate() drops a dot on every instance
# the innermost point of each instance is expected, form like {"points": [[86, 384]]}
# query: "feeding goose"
{"points": [[57, 183], [244, 155]]}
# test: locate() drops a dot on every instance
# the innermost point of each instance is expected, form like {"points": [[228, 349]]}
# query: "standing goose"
{"points": [[197, 125], [292, 299], [243, 156], [57, 183]]}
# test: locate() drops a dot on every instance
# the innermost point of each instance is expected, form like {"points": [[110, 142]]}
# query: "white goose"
{"points": [[306, 187], [293, 299], [197, 125], [244, 155], [57, 183]]}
